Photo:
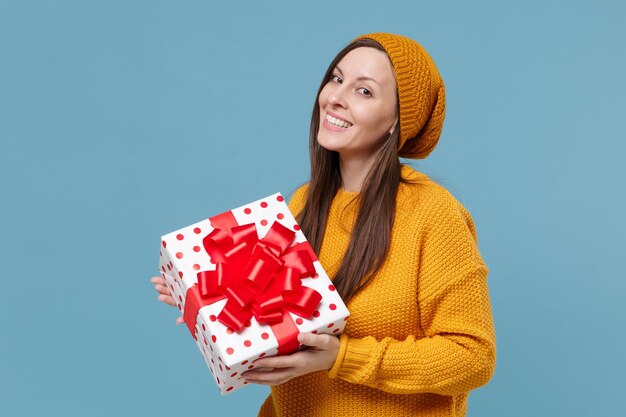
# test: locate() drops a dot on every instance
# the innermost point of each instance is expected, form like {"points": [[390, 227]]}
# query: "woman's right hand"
{"points": [[164, 294]]}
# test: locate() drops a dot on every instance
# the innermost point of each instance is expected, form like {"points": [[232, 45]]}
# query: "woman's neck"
{"points": [[353, 172]]}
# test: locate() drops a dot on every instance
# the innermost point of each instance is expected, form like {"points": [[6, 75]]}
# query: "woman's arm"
{"points": [[457, 355]]}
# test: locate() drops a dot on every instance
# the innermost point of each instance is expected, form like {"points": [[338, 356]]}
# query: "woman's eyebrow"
{"points": [[359, 78]]}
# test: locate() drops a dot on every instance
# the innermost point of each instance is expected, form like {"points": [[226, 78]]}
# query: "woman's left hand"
{"points": [[320, 355]]}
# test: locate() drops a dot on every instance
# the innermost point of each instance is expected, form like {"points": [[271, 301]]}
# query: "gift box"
{"points": [[248, 282]]}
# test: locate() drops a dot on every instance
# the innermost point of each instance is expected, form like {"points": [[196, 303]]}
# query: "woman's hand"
{"points": [[320, 355], [164, 294]]}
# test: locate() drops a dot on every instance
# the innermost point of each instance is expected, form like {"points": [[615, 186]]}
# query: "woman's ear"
{"points": [[393, 127]]}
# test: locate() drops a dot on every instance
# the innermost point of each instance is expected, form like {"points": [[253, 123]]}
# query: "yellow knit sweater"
{"points": [[420, 336]]}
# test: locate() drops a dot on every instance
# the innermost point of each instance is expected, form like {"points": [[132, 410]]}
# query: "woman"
{"points": [[401, 250]]}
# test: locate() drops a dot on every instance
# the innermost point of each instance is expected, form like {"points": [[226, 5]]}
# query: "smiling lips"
{"points": [[336, 123]]}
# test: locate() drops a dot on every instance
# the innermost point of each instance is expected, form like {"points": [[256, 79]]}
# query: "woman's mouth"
{"points": [[335, 124]]}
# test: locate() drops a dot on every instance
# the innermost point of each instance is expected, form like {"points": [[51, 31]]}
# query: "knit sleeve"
{"points": [[456, 349]]}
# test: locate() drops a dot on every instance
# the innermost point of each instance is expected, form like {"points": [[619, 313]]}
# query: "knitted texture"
{"points": [[421, 93], [420, 335]]}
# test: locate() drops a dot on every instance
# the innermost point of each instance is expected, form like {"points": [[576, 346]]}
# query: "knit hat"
{"points": [[421, 93]]}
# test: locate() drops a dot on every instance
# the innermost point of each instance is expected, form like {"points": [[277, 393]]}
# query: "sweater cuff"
{"points": [[353, 356]]}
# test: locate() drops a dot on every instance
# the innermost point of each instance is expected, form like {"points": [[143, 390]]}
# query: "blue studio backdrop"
{"points": [[121, 121]]}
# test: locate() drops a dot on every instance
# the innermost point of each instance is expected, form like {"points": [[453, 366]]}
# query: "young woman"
{"points": [[400, 249]]}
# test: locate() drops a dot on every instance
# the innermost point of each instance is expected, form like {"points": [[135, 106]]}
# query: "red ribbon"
{"points": [[258, 277]]}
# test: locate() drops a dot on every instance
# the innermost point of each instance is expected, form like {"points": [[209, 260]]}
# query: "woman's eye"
{"points": [[337, 78]]}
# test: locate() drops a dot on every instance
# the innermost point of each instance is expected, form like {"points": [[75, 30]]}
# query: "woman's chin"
{"points": [[330, 145]]}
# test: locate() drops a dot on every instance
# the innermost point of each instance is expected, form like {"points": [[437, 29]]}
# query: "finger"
{"points": [[254, 381], [162, 289], [278, 361], [269, 384], [315, 340], [251, 374], [273, 377], [157, 280], [266, 369], [180, 320], [167, 300]]}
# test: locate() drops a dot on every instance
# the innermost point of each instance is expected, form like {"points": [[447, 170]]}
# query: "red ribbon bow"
{"points": [[258, 277]]}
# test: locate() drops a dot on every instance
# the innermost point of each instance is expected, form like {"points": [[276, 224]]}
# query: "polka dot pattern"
{"points": [[182, 256]]}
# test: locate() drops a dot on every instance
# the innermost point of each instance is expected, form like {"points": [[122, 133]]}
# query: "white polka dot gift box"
{"points": [[248, 282]]}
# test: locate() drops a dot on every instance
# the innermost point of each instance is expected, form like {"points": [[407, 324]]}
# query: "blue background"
{"points": [[121, 121]]}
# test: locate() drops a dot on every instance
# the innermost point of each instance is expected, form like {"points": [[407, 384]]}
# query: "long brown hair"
{"points": [[371, 233]]}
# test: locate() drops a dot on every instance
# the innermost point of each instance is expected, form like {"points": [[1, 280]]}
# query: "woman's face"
{"points": [[362, 95]]}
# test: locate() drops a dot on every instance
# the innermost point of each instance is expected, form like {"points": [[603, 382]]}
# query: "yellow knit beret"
{"points": [[421, 93]]}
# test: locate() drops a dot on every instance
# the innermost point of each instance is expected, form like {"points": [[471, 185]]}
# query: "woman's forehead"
{"points": [[367, 62]]}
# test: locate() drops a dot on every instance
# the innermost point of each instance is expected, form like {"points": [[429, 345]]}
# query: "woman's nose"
{"points": [[338, 97]]}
